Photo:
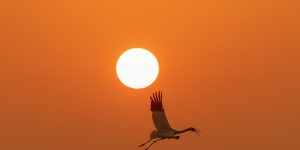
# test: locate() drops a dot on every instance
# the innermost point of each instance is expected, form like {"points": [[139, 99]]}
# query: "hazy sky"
{"points": [[228, 68]]}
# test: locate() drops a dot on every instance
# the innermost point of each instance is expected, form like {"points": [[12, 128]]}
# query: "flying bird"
{"points": [[163, 129]]}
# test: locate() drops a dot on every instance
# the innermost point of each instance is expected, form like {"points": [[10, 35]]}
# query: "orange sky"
{"points": [[229, 68]]}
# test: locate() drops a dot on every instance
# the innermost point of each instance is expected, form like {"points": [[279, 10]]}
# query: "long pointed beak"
{"points": [[197, 131]]}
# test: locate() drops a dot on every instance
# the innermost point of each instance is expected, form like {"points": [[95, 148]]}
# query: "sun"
{"points": [[137, 68]]}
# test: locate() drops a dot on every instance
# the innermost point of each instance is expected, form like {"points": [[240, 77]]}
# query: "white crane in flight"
{"points": [[164, 131]]}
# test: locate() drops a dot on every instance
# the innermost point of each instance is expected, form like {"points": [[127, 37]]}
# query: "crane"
{"points": [[163, 129]]}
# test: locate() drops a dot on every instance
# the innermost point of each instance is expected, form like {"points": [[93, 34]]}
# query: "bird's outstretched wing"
{"points": [[158, 114]]}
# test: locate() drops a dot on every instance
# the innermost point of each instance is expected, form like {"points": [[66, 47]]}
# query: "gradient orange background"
{"points": [[229, 68]]}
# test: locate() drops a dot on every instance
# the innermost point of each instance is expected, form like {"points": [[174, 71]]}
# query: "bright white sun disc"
{"points": [[137, 68]]}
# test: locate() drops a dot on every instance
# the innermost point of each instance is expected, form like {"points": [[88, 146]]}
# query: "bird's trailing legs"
{"points": [[145, 142], [153, 143], [175, 137]]}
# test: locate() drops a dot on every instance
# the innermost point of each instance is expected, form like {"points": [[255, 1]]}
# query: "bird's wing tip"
{"points": [[156, 101]]}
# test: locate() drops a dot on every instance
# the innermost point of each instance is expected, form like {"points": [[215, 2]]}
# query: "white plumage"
{"points": [[163, 129]]}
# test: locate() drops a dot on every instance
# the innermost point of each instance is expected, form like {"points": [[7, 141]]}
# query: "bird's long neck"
{"points": [[182, 131]]}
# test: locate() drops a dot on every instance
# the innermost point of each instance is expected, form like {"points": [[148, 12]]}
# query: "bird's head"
{"points": [[194, 130]]}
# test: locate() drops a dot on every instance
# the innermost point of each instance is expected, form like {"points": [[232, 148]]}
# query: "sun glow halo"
{"points": [[137, 68]]}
